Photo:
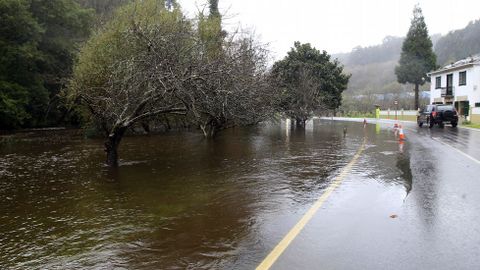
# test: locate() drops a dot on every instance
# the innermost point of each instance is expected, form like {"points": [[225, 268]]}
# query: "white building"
{"points": [[457, 84]]}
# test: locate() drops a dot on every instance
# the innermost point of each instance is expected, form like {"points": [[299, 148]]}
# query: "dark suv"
{"points": [[438, 114]]}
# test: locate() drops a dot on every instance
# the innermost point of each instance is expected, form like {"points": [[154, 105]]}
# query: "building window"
{"points": [[462, 78], [438, 82], [477, 104]]}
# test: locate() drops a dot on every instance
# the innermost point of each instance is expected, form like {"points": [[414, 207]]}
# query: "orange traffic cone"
{"points": [[401, 135]]}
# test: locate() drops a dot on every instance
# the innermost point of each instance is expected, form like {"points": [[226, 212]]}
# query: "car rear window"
{"points": [[445, 108], [428, 108]]}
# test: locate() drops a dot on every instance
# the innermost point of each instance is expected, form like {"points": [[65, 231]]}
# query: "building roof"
{"points": [[467, 62]]}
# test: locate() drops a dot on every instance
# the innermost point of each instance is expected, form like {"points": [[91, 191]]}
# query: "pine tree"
{"points": [[214, 12], [417, 56]]}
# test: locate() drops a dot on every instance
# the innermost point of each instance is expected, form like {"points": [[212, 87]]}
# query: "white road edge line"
{"points": [[446, 144], [461, 152]]}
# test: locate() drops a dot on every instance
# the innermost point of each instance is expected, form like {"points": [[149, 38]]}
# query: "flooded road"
{"points": [[179, 201]]}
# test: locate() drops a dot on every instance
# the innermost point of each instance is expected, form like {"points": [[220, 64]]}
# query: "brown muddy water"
{"points": [[177, 201]]}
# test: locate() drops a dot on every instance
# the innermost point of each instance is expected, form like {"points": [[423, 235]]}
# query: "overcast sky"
{"points": [[337, 25]]}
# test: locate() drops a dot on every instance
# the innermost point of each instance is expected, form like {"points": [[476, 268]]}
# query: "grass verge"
{"points": [[470, 125]]}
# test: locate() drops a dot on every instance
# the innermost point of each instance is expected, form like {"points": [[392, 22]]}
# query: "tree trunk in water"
{"points": [[300, 122], [111, 146], [416, 97], [146, 127], [167, 123], [209, 130]]}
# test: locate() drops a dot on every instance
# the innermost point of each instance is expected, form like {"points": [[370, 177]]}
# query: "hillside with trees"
{"points": [[459, 44]]}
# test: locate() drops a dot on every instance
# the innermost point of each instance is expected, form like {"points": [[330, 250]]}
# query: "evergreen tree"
{"points": [[417, 56], [214, 12]]}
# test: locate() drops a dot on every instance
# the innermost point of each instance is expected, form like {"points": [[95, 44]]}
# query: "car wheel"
{"points": [[442, 125], [420, 124], [454, 124]]}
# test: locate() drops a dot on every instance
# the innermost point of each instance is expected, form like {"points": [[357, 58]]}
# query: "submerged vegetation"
{"points": [[119, 65], [150, 64]]}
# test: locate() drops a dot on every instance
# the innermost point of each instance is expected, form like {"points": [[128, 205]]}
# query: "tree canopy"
{"points": [[309, 80], [38, 40]]}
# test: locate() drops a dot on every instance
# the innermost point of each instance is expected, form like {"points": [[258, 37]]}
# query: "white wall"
{"points": [[436, 93], [399, 112], [471, 89], [475, 86]]}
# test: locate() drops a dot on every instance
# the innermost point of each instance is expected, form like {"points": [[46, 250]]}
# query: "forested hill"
{"points": [[372, 68], [459, 44], [387, 51]]}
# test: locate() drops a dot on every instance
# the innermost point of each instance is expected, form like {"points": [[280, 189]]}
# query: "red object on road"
{"points": [[401, 134]]}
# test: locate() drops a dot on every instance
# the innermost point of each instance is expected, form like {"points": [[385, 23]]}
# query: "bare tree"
{"points": [[149, 62], [231, 88], [128, 72]]}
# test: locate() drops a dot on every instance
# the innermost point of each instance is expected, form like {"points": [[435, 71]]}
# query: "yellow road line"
{"points": [[280, 248]]}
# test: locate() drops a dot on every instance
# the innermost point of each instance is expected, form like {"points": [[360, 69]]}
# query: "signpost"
{"points": [[396, 108]]}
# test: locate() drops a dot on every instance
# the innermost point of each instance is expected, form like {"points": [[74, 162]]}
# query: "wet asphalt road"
{"points": [[431, 223]]}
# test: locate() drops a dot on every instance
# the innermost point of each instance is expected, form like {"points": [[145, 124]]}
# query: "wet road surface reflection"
{"points": [[179, 201], [373, 224]]}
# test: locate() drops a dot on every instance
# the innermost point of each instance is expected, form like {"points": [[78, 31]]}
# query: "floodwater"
{"points": [[177, 201]]}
